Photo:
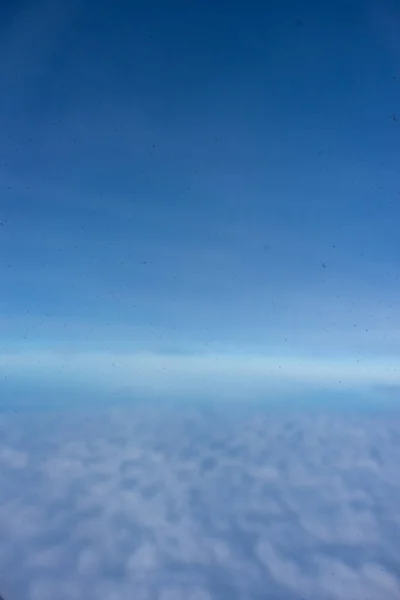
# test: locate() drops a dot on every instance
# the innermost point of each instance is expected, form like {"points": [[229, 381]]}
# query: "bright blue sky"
{"points": [[198, 177]]}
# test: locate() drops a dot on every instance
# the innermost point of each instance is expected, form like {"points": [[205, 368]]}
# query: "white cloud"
{"points": [[12, 458], [157, 502]]}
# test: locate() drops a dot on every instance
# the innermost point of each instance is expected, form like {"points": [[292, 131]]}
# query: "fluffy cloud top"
{"points": [[199, 503]]}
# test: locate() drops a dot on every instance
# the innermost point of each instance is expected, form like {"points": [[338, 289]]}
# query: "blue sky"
{"points": [[199, 183]]}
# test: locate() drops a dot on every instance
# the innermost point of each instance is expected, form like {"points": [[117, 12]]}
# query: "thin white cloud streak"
{"points": [[159, 373]]}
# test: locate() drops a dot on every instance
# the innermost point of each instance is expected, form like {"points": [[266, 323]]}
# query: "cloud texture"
{"points": [[199, 503]]}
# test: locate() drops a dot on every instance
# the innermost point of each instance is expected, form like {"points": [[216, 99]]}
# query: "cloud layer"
{"points": [[199, 503]]}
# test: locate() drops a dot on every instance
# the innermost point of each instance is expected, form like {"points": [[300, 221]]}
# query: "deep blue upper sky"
{"points": [[177, 176]]}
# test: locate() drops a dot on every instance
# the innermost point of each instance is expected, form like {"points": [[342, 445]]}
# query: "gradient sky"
{"points": [[200, 181]]}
